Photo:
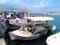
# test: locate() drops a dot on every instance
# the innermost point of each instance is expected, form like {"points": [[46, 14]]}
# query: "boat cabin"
{"points": [[40, 23]]}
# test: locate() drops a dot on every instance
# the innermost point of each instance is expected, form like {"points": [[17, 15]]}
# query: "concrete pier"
{"points": [[2, 41]]}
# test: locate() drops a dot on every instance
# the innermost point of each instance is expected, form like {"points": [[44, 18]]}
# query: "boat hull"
{"points": [[14, 37], [17, 35]]}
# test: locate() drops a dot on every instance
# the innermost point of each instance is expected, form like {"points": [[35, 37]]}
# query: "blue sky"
{"points": [[32, 5]]}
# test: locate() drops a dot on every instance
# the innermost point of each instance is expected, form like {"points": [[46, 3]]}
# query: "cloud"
{"points": [[11, 2], [41, 4], [3, 1], [28, 3], [31, 5], [14, 1]]}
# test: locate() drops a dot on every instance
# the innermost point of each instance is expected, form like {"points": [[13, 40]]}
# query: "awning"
{"points": [[40, 18]]}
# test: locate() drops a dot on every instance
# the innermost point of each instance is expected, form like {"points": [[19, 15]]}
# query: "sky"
{"points": [[32, 5]]}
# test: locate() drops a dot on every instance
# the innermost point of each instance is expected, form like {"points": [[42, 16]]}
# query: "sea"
{"points": [[41, 40]]}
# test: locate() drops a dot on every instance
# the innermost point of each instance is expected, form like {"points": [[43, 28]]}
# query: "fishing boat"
{"points": [[35, 28], [3, 26], [14, 20], [53, 39]]}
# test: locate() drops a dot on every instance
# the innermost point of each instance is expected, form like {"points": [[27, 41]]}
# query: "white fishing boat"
{"points": [[28, 32], [53, 39]]}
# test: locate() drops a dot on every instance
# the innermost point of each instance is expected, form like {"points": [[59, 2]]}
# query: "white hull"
{"points": [[15, 35], [53, 39]]}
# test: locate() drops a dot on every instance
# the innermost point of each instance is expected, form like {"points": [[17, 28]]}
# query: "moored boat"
{"points": [[32, 32], [53, 39]]}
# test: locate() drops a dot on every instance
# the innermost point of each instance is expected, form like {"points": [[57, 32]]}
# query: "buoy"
{"points": [[17, 21], [2, 20]]}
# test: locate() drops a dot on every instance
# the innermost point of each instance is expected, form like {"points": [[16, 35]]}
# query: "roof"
{"points": [[40, 18]]}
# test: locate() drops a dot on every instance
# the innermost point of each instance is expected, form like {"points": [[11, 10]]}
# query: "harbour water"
{"points": [[42, 40]]}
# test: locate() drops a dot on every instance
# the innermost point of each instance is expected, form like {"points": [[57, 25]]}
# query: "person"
{"points": [[20, 15], [46, 23], [1, 15]]}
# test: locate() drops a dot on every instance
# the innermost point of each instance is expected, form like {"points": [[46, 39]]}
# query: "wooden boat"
{"points": [[32, 32]]}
